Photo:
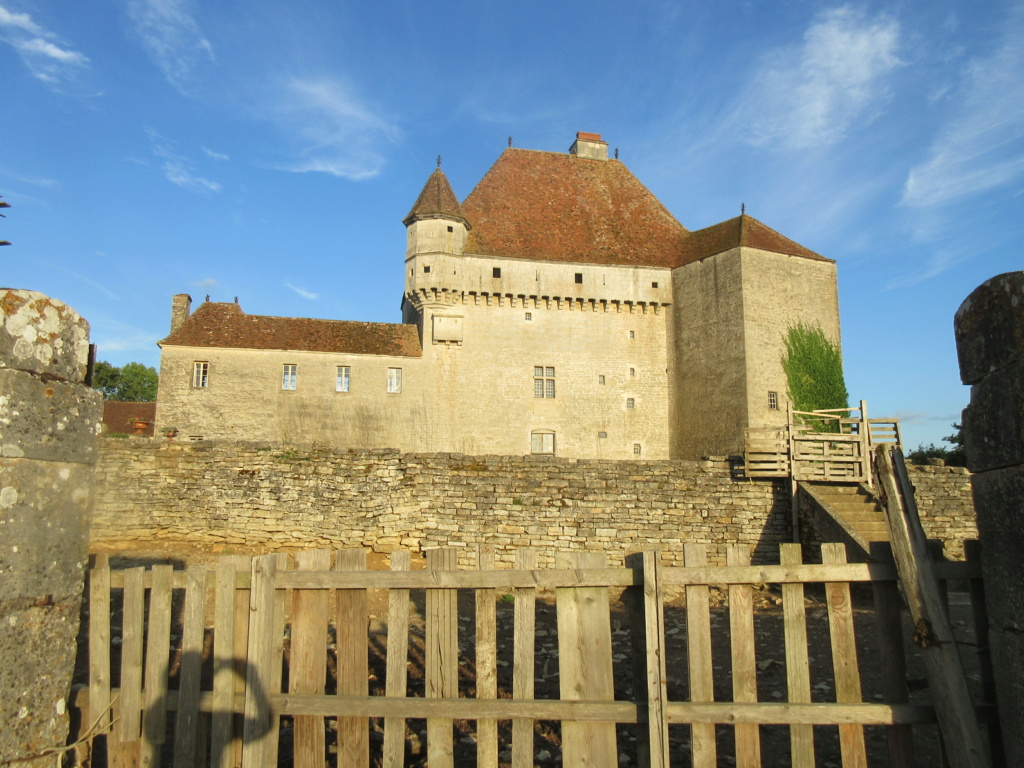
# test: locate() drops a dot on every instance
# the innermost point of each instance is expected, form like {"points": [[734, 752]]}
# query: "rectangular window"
{"points": [[542, 442], [579, 278], [200, 375], [773, 401], [395, 380], [630, 403], [543, 381], [495, 271], [451, 229], [632, 334], [344, 379], [654, 284], [290, 377], [426, 269], [529, 316], [600, 379], [632, 371], [636, 449], [602, 435]]}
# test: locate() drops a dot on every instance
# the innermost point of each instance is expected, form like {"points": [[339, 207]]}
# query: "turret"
{"points": [[436, 223]]}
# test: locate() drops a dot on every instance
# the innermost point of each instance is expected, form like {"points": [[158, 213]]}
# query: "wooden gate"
{"points": [[210, 666]]}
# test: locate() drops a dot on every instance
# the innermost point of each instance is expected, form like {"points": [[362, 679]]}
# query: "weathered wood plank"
{"points": [[744, 659], [486, 662], [260, 717], [976, 589], [442, 662], [158, 657], [698, 634], [186, 724], [277, 665], [243, 569], [958, 724], [99, 643], [125, 748], [308, 662], [523, 645], [647, 630], [221, 729], [798, 677], [585, 663], [396, 679], [890, 657], [844, 658], [353, 661]]}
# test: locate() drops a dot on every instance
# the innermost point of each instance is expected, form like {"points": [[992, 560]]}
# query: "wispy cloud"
{"points": [[981, 145], [42, 51], [812, 94], [215, 155], [331, 129], [177, 168], [206, 282], [303, 293], [171, 36]]}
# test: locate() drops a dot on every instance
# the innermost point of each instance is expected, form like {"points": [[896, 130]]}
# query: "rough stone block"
{"points": [[45, 419], [42, 335], [993, 425], [997, 497], [989, 326]]}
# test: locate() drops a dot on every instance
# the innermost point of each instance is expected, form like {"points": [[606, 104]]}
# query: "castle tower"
{"points": [[436, 223]]}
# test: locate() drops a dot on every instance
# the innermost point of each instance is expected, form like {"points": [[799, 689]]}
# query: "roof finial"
{"points": [[510, 141], [616, 153], [438, 161], [236, 299], [743, 209]]}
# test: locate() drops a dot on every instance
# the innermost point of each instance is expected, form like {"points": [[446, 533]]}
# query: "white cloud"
{"points": [[177, 168], [206, 282], [303, 293], [331, 129], [171, 37], [811, 95], [215, 155], [54, 64], [981, 145]]}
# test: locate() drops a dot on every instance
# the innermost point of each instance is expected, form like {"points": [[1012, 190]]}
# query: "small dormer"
{"points": [[436, 223]]}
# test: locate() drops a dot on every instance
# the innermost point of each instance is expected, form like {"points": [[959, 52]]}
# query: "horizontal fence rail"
{"points": [[211, 666]]}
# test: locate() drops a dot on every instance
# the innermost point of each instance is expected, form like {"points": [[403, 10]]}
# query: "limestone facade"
{"points": [[559, 309]]}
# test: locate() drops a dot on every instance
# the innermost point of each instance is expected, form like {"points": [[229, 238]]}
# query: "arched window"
{"points": [[542, 441]]}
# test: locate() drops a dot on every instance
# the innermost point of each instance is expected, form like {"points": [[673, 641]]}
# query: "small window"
{"points": [[630, 403], [602, 435], [654, 284], [451, 229], [529, 316], [542, 442], [495, 271], [395, 381], [200, 375], [543, 381], [600, 379], [632, 371], [290, 377], [632, 334], [426, 269], [636, 449], [773, 401], [579, 278], [344, 379]]}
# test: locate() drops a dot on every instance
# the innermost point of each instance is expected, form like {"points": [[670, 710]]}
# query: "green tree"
{"points": [[134, 383], [954, 456], [814, 372]]}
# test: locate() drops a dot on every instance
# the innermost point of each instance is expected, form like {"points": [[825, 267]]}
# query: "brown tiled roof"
{"points": [[436, 199], [743, 230], [547, 205], [117, 416], [226, 325]]}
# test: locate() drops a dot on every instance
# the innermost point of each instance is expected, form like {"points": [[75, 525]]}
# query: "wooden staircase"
{"points": [[853, 508]]}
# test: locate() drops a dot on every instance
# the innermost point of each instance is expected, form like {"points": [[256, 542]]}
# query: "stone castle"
{"points": [[560, 309]]}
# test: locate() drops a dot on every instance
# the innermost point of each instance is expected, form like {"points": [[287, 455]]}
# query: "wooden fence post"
{"points": [[396, 677], [442, 668], [353, 662], [524, 639], [486, 662], [260, 717], [647, 626], [307, 673]]}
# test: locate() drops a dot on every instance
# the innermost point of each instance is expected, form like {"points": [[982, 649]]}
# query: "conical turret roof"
{"points": [[436, 200]]}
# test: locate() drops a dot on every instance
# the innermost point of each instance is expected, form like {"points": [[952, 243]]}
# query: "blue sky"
{"points": [[269, 150]]}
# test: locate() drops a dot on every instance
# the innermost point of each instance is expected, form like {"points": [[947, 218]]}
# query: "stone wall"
{"points": [[946, 506], [272, 497], [48, 425]]}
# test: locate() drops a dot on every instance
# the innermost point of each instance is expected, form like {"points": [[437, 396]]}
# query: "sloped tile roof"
{"points": [[743, 230], [436, 199], [225, 325], [560, 207]]}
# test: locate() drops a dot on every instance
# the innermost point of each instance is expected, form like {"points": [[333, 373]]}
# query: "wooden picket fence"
{"points": [[203, 677]]}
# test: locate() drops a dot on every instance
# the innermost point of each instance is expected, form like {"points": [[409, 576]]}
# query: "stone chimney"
{"points": [[590, 146], [181, 307]]}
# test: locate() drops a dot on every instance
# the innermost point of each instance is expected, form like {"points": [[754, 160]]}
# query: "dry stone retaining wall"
{"points": [[278, 497], [946, 506]]}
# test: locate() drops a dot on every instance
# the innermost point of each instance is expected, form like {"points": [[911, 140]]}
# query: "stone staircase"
{"points": [[852, 508]]}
